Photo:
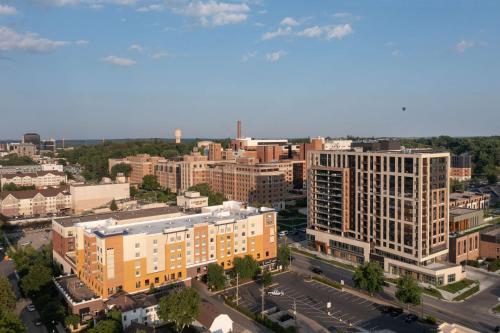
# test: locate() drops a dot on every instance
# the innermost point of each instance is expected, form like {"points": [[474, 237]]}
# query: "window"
{"points": [[451, 278], [137, 245], [155, 241]]}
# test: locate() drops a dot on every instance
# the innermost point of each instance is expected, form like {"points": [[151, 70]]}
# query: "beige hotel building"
{"points": [[111, 255]]}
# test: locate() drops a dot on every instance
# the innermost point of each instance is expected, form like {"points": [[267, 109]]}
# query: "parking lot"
{"points": [[34, 237], [347, 312]]}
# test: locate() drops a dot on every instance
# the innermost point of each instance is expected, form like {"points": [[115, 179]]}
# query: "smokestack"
{"points": [[238, 129]]}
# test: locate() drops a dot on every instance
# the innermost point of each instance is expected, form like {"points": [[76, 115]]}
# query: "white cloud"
{"points": [[248, 56], [312, 32], [275, 56], [289, 22], [94, 4], [7, 10], [159, 55], [82, 42], [278, 33], [11, 40], [212, 13], [118, 61], [327, 31], [136, 47], [150, 8], [463, 46]]}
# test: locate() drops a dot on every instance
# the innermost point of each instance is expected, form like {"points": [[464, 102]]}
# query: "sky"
{"points": [[82, 69]]}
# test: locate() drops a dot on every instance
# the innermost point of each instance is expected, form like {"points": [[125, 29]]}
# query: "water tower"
{"points": [[178, 134]]}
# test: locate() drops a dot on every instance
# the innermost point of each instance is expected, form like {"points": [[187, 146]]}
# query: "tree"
{"points": [[369, 277], [123, 168], [133, 191], [247, 267], [106, 326], [180, 307], [10, 323], [113, 206], [7, 297], [37, 277], [284, 255], [267, 279], [72, 320], [216, 279], [115, 315], [150, 183], [408, 291], [214, 198]]}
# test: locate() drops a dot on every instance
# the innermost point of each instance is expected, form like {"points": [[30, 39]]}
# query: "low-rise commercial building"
{"points": [[138, 308], [110, 257], [469, 200], [88, 197], [192, 200], [490, 243], [38, 179]]}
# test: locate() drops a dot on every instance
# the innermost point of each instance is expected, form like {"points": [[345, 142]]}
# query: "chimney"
{"points": [[238, 129]]}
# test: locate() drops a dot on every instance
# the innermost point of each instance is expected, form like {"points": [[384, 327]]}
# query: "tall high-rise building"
{"points": [[178, 135], [33, 138], [385, 205]]}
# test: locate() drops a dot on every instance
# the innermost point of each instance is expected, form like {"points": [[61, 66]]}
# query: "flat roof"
{"points": [[492, 231], [76, 289], [463, 211], [123, 215], [222, 215], [464, 195]]}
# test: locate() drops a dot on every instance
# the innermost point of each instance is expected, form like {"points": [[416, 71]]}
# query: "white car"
{"points": [[276, 292], [30, 307], [283, 233]]}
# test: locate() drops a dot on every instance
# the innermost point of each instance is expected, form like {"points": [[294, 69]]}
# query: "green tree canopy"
{"points": [[72, 320], [267, 279], [408, 291], [106, 326], [180, 307], [150, 183], [247, 267], [14, 159], [369, 277], [113, 206], [7, 297], [10, 323], [13, 187], [284, 255], [124, 168], [215, 276], [214, 198], [37, 278]]}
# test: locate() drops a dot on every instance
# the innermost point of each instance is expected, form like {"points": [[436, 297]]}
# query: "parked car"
{"points": [[283, 233], [38, 322], [276, 292], [30, 307], [396, 311], [410, 318], [317, 270], [25, 243]]}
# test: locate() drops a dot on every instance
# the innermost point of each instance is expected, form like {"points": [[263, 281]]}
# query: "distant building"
{"points": [[38, 179], [48, 145], [192, 200], [469, 200], [178, 135], [89, 197], [138, 308], [31, 168], [461, 167], [30, 203], [33, 138], [25, 149], [142, 165], [215, 152], [337, 145], [213, 320]]}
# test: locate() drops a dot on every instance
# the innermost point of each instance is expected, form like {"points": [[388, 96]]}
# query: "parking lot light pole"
{"points": [[237, 289]]}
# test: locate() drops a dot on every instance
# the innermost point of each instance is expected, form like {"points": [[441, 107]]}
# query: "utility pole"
{"points": [[262, 302], [295, 314], [237, 289]]}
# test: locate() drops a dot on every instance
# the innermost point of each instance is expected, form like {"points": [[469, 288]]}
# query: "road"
{"points": [[7, 269], [473, 313]]}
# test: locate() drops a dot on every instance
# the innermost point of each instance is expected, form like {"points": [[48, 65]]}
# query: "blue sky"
{"points": [[140, 68]]}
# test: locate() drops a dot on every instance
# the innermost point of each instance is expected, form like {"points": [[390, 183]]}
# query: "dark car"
{"points": [[410, 318], [395, 311], [317, 270]]}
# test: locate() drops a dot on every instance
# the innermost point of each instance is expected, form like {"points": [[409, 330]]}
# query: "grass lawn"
{"points": [[432, 292], [457, 286], [497, 309], [466, 294]]}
